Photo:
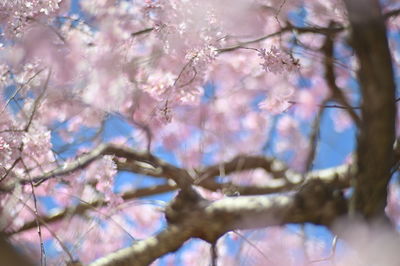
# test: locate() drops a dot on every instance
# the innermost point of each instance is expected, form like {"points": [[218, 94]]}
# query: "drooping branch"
{"points": [[301, 30], [288, 28], [378, 109]]}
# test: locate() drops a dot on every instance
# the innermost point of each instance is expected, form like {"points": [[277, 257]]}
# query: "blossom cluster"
{"points": [[276, 61], [17, 15]]}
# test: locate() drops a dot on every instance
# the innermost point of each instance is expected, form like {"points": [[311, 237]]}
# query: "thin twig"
{"points": [[85, 206], [55, 31], [140, 32], [37, 102], [331, 256], [63, 246], [38, 225], [10, 169], [336, 93], [304, 244], [19, 89], [214, 254], [253, 246], [288, 28], [314, 136]]}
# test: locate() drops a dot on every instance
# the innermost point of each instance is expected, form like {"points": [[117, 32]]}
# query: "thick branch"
{"points": [[378, 109], [146, 251], [392, 13], [146, 161], [240, 163], [11, 256], [196, 217], [336, 177]]}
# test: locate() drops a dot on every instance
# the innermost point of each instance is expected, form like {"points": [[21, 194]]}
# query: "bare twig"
{"points": [[8, 171], [21, 87], [83, 207], [140, 32], [53, 234], [286, 29], [37, 102], [301, 30], [331, 256], [253, 245], [38, 225], [314, 136], [55, 31]]}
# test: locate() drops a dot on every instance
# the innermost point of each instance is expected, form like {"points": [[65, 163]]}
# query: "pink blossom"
{"points": [[176, 84], [276, 61]]}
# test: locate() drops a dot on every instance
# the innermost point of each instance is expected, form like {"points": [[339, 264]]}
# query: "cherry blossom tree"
{"points": [[130, 128]]}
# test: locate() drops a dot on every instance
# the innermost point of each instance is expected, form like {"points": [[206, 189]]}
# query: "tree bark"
{"points": [[377, 129]]}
